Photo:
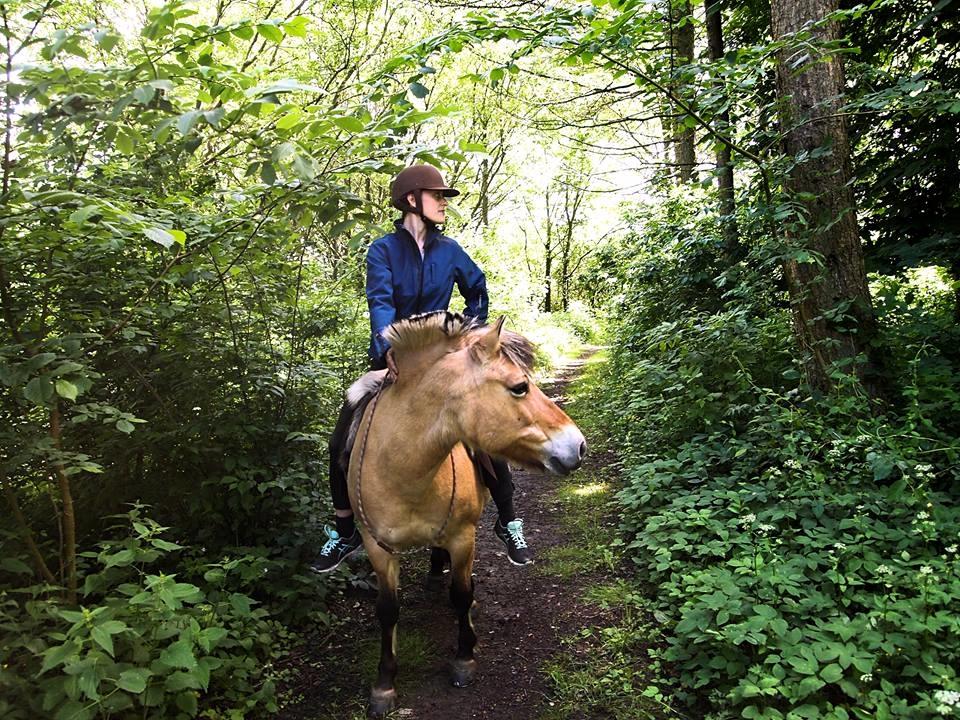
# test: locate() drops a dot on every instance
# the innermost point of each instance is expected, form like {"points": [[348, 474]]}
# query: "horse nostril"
{"points": [[583, 449]]}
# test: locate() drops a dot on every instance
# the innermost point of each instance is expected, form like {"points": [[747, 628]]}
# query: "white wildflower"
{"points": [[883, 570], [926, 570], [766, 528], [866, 677], [748, 518], [947, 700], [840, 546], [793, 464], [951, 548], [923, 515]]}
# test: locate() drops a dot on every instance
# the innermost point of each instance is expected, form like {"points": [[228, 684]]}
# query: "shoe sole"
{"points": [[339, 562]]}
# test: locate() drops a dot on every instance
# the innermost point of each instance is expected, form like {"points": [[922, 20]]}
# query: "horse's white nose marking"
{"points": [[564, 452]]}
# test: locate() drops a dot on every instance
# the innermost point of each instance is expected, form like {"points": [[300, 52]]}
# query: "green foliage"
{"points": [[804, 547], [142, 642], [613, 672]]}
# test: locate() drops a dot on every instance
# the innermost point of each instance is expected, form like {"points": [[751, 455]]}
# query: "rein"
{"points": [[363, 516]]}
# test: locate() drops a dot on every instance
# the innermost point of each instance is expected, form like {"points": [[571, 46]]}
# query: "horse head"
{"points": [[479, 377]]}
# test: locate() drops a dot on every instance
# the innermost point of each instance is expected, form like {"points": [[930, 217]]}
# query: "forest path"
{"points": [[521, 616]]}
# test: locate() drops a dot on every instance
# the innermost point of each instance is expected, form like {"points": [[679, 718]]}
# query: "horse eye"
{"points": [[520, 390]]}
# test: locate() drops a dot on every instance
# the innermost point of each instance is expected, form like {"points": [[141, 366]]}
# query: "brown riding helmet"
{"points": [[414, 179]]}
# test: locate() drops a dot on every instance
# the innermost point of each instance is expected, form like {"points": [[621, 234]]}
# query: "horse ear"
{"points": [[489, 343]]}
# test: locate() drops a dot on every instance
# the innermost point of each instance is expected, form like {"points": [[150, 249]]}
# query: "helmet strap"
{"points": [[418, 210]]}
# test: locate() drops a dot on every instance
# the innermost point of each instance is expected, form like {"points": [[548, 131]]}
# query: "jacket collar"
{"points": [[432, 233]]}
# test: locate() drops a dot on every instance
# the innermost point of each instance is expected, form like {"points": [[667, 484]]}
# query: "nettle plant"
{"points": [[140, 643]]}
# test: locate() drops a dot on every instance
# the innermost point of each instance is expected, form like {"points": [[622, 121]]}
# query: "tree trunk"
{"points": [[68, 517], [832, 314], [548, 260], [728, 208], [681, 29]]}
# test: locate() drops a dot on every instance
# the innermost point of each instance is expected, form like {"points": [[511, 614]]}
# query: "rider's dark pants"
{"points": [[501, 486]]}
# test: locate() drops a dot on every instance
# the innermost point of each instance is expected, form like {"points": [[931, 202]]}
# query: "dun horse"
{"points": [[411, 479]]}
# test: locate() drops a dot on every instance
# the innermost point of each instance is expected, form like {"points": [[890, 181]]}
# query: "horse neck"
{"points": [[411, 437]]}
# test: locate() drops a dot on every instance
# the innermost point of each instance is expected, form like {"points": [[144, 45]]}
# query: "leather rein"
{"points": [[363, 516]]}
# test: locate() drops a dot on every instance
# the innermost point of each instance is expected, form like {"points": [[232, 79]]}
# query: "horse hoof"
{"points": [[381, 702], [434, 584], [463, 672]]}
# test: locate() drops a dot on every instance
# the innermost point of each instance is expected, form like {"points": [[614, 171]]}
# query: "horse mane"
{"points": [[421, 331]]}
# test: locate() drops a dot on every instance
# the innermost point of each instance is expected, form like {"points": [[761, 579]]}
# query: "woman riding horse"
{"points": [[410, 271]]}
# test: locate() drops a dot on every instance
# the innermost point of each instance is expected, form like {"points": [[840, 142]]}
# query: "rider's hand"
{"points": [[392, 372]]}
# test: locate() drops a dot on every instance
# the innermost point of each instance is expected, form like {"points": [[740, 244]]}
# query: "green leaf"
{"points": [[244, 32], [144, 94], [15, 566], [134, 680], [290, 119], [160, 236], [241, 604], [106, 39], [418, 90], [186, 121], [120, 559], [75, 710], [303, 167], [181, 681], [126, 142], [125, 426], [66, 389], [210, 637], [179, 655], [179, 237], [39, 390], [113, 627], [348, 123], [297, 27], [832, 673], [164, 545], [58, 655], [270, 32], [103, 639], [268, 173]]}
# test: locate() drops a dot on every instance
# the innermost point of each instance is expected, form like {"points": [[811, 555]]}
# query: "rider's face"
{"points": [[434, 206]]}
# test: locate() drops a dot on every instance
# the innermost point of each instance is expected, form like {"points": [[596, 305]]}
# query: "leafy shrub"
{"points": [[142, 644], [802, 583]]}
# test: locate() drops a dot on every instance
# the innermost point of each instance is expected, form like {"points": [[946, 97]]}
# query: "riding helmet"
{"points": [[415, 179]]}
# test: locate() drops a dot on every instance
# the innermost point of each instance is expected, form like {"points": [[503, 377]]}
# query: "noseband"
{"points": [[363, 516]]}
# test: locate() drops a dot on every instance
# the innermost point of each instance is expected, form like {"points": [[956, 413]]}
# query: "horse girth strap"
{"points": [[363, 516]]}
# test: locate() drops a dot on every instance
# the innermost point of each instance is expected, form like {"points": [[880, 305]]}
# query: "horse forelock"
{"points": [[518, 350]]}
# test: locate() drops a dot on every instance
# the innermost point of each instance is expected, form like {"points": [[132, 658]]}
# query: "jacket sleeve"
{"points": [[472, 284], [379, 297]]}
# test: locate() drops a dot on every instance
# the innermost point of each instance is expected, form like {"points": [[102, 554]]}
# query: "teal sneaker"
{"points": [[511, 535], [335, 550]]}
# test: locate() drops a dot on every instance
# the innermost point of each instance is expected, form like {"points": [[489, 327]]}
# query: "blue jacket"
{"points": [[400, 283]]}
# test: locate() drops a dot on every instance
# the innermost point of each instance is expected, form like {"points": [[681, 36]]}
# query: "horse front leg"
{"points": [[383, 694], [439, 558], [461, 596]]}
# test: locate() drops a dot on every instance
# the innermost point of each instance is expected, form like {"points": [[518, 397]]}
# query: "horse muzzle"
{"points": [[563, 453]]}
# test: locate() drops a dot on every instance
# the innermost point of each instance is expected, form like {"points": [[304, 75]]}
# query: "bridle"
{"points": [[363, 516]]}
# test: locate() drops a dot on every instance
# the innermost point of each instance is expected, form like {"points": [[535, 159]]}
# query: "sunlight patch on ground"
{"points": [[597, 488]]}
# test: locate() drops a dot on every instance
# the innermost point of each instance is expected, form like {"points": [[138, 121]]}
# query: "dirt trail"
{"points": [[520, 616]]}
